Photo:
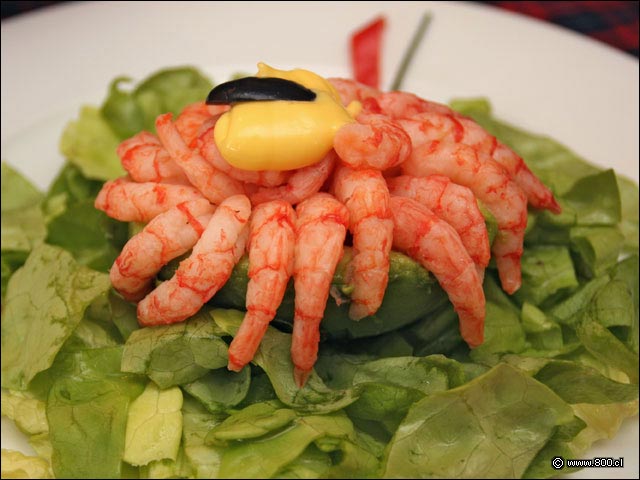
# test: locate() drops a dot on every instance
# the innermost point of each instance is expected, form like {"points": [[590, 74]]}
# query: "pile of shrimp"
{"points": [[406, 175]]}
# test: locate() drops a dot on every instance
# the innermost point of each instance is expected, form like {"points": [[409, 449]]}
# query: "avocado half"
{"points": [[412, 294]]}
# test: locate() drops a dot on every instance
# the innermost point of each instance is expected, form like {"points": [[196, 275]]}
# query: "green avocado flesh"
{"points": [[411, 294]]}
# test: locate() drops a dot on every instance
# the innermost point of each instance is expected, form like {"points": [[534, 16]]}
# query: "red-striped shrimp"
{"points": [[321, 228], [271, 248], [302, 183], [436, 245], [206, 270], [211, 182], [453, 203], [374, 141], [350, 90], [263, 178], [129, 201], [193, 118], [164, 238], [365, 194], [459, 129], [491, 184], [400, 105], [146, 160]]}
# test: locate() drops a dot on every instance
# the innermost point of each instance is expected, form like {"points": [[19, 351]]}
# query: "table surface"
{"points": [[612, 22]]}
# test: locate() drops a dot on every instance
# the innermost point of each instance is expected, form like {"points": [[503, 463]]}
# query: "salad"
{"points": [[400, 393], [399, 396]]}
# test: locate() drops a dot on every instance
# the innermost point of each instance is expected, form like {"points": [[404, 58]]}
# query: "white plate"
{"points": [[537, 76]]}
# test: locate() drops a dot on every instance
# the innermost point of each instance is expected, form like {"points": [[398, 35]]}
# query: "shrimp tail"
{"points": [[436, 245], [271, 250], [321, 228]]}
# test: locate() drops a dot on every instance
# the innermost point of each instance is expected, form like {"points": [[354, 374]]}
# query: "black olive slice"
{"points": [[254, 89]]}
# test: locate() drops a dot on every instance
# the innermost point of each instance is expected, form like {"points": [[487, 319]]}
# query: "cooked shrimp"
{"points": [[190, 121], [365, 194], [456, 128], [129, 201], [454, 204], [404, 105], [211, 182], [208, 268], [321, 229], [146, 160], [374, 141], [350, 90], [263, 178], [302, 183], [164, 238], [271, 247], [491, 184], [436, 245]]}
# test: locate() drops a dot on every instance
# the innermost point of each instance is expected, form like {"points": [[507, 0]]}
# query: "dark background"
{"points": [[614, 23]]}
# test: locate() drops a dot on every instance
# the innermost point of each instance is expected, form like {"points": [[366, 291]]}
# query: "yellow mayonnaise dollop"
{"points": [[282, 134]]}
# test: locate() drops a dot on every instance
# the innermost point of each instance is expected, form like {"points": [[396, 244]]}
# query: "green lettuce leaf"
{"points": [[89, 415], [312, 463], [41, 443], [17, 465], [274, 357], [80, 362], [90, 144], [69, 187], [94, 331], [197, 422], [88, 234], [491, 427], [175, 354], [629, 209], [605, 346], [613, 305], [437, 333], [46, 300], [603, 422], [260, 389], [26, 410], [359, 456], [220, 389], [545, 270], [569, 310], [560, 444], [87, 403], [542, 332], [17, 192], [154, 426], [503, 333], [576, 383], [627, 272], [389, 386], [123, 315], [179, 468], [22, 229], [262, 459], [597, 248], [23, 225], [595, 199], [129, 112], [252, 422]]}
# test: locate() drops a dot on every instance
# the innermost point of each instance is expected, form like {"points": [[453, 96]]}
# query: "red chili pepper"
{"points": [[366, 47]]}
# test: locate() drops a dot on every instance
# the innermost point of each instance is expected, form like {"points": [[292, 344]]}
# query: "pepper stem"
{"points": [[411, 50]]}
